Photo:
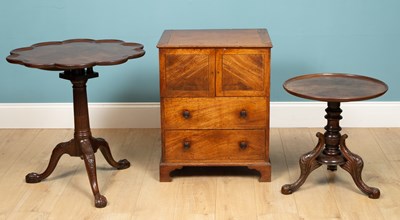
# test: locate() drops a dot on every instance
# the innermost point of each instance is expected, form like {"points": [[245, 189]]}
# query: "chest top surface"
{"points": [[229, 38]]}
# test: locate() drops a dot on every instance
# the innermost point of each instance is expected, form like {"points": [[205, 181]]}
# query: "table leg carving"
{"points": [[308, 163], [83, 145], [100, 143], [354, 165], [90, 164], [58, 151]]}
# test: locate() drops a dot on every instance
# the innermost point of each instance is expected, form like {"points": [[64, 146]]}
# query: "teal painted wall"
{"points": [[352, 36]]}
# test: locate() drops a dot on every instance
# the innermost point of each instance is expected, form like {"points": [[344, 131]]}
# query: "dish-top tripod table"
{"points": [[331, 149], [76, 59]]}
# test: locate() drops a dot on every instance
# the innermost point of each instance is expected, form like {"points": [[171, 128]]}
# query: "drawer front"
{"points": [[214, 145], [187, 72], [215, 113], [243, 72]]}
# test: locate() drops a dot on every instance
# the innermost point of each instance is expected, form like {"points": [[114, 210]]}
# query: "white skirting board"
{"points": [[147, 115]]}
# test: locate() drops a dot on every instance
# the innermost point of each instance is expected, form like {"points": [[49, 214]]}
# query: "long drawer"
{"points": [[214, 145], [215, 113]]}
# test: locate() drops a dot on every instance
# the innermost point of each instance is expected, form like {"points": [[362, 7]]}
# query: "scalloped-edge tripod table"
{"points": [[331, 149], [76, 59]]}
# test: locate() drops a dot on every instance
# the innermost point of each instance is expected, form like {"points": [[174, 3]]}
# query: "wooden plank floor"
{"points": [[219, 193]]}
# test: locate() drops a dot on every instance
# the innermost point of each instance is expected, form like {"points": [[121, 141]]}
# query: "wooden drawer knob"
{"points": [[186, 144], [243, 145], [243, 113], [186, 114]]}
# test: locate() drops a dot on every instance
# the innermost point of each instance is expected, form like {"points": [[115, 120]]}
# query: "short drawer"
{"points": [[215, 113], [214, 145]]}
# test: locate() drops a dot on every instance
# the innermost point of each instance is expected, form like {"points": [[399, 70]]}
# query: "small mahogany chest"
{"points": [[215, 97]]}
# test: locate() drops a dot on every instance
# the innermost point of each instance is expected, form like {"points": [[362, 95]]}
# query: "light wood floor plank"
{"points": [[153, 193], [389, 170], [235, 201], [125, 185], [389, 140], [136, 193], [341, 185], [12, 146], [313, 199], [196, 198], [30, 145], [271, 204]]}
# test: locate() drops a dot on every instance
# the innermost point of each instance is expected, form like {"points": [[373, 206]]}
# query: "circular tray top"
{"points": [[335, 87], [75, 54]]}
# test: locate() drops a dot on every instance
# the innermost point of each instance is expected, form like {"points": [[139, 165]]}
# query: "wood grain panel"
{"points": [[187, 73], [212, 145], [243, 72], [215, 113], [215, 38]]}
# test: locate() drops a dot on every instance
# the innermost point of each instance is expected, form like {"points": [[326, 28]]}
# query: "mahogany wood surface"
{"points": [[214, 88], [335, 87], [215, 38], [215, 113], [76, 58], [214, 145], [331, 149], [75, 54], [187, 73], [242, 72]]}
